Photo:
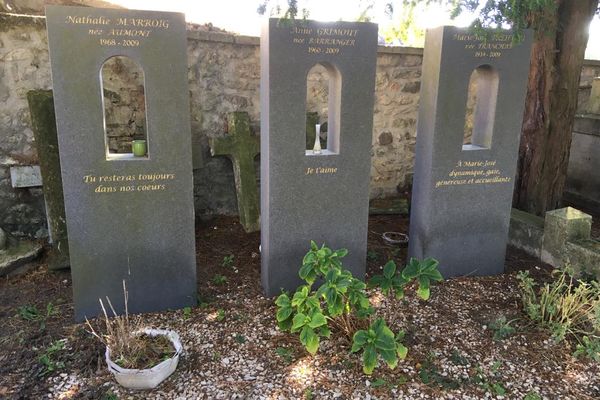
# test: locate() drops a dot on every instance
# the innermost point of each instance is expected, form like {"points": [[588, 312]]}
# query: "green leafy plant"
{"points": [[220, 315], [372, 255], [241, 339], [502, 328], [430, 376], [340, 304], [308, 394], [566, 306], [589, 348], [187, 312], [490, 383], [48, 358], [532, 396], [378, 383], [392, 282], [219, 279], [286, 354], [458, 359], [228, 261], [110, 396], [379, 340], [32, 314], [29, 313]]}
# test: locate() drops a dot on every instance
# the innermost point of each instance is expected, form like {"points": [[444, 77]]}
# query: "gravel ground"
{"points": [[233, 350]]}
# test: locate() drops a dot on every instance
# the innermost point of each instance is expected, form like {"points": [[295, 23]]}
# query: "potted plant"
{"points": [[139, 358]]}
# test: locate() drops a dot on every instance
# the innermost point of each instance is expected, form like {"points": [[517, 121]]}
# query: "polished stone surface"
{"points": [[305, 196], [128, 219], [462, 194]]}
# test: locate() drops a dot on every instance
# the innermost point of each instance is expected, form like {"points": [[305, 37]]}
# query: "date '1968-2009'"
{"points": [[124, 42]]}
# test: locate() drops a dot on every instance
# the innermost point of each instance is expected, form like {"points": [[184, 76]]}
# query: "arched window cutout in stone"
{"points": [[481, 108], [323, 96], [124, 107]]}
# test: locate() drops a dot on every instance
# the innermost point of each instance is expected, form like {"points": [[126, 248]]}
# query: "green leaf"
{"points": [[411, 270], [401, 351], [376, 280], [324, 331], [300, 296], [423, 291], [429, 264], [299, 321], [284, 313], [434, 275], [312, 303], [313, 245], [369, 359], [390, 357], [309, 339], [317, 319], [283, 300], [400, 336], [307, 273], [285, 325], [386, 285], [399, 292], [378, 382], [399, 281], [389, 269], [340, 253], [385, 340], [498, 389], [309, 258], [359, 339]]}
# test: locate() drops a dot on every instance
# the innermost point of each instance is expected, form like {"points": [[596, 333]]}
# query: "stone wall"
{"points": [[224, 76], [590, 70], [24, 65]]}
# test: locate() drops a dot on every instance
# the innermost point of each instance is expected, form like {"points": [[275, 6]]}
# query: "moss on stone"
{"points": [[41, 108]]}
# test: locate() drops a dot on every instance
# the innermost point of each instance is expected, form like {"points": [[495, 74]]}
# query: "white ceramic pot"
{"points": [[147, 378]]}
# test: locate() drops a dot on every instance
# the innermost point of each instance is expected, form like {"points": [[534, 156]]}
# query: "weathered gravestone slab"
{"points": [[43, 124], [462, 193], [128, 218], [304, 195]]}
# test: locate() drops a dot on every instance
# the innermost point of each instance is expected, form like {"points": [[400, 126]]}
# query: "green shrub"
{"points": [[341, 304], [566, 306]]}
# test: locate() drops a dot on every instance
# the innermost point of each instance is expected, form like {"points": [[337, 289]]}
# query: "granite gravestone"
{"points": [[462, 193], [128, 218], [323, 196]]}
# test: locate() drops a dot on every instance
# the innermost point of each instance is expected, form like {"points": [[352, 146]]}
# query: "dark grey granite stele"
{"points": [[128, 218], [307, 196], [462, 195]]}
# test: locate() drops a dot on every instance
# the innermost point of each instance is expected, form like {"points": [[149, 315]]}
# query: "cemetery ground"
{"points": [[233, 348]]}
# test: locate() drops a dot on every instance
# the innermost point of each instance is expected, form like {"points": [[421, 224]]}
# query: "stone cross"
{"points": [[240, 146]]}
